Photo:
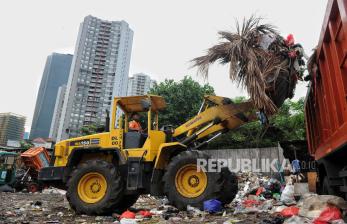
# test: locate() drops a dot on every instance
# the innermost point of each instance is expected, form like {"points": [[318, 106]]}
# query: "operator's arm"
{"points": [[134, 126]]}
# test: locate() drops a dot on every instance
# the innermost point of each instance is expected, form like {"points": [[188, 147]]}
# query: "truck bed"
{"points": [[325, 106]]}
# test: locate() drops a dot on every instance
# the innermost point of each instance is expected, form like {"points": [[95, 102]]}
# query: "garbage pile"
{"points": [[261, 61], [286, 202], [260, 199]]}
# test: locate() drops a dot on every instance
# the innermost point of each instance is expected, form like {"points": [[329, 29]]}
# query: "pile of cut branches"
{"points": [[261, 61]]}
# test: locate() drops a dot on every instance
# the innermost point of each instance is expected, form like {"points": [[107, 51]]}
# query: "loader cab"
{"points": [[145, 141]]}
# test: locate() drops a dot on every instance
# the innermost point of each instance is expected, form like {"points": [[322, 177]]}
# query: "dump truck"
{"points": [[325, 103], [33, 160], [107, 172]]}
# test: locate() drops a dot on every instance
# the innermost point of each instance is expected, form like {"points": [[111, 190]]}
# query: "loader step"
{"points": [[135, 173]]}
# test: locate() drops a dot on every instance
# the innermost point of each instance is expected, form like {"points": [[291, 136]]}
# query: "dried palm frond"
{"points": [[252, 65]]}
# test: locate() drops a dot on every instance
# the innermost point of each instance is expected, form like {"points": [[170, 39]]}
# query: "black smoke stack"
{"points": [[107, 122]]}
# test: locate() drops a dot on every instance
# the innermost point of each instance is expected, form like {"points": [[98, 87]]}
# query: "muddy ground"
{"points": [[53, 208]]}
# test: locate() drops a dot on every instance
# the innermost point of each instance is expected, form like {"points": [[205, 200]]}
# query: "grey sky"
{"points": [[167, 34]]}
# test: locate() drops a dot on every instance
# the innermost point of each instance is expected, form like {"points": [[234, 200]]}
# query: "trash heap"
{"points": [[260, 199], [260, 60], [286, 202]]}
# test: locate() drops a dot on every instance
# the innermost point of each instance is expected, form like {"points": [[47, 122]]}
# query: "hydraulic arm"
{"points": [[216, 116]]}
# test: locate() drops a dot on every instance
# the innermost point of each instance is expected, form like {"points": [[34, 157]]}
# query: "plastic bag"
{"points": [[259, 191], [212, 206], [127, 215], [290, 211], [327, 215], [287, 195]]}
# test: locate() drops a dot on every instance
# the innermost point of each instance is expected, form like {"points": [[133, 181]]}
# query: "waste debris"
{"points": [[260, 200], [290, 211], [329, 214], [53, 190]]}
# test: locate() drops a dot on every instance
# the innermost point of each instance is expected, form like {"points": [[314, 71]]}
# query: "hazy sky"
{"points": [[167, 34]]}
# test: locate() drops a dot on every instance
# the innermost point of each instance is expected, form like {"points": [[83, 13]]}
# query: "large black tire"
{"points": [[211, 191], [229, 187], [126, 202], [112, 196], [326, 189]]}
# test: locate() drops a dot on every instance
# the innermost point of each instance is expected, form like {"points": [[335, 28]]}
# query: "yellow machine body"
{"points": [[141, 159]]}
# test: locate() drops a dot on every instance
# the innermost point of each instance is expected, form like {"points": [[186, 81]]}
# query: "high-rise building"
{"points": [[58, 108], [139, 84], [11, 127], [99, 72], [55, 74]]}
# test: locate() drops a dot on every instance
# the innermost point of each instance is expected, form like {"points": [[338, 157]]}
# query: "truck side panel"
{"points": [[325, 108]]}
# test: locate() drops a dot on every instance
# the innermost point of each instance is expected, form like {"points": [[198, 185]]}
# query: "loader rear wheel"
{"points": [[184, 185], [126, 202], [94, 188], [229, 187]]}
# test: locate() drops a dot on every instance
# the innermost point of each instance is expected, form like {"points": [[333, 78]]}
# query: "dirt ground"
{"points": [[53, 208]]}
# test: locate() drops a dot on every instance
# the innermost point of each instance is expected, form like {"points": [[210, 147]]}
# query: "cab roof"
{"points": [[5, 153], [135, 103]]}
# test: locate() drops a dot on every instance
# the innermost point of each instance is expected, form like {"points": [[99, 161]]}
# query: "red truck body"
{"points": [[326, 101]]}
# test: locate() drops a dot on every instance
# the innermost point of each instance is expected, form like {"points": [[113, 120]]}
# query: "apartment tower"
{"points": [[139, 84], [11, 127], [99, 72]]}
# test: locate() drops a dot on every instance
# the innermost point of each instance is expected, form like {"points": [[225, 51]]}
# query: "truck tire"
{"points": [[183, 185], [33, 187], [95, 187], [326, 187], [229, 186]]}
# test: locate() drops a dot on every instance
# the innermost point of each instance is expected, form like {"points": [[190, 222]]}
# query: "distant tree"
{"points": [[92, 129], [183, 99], [25, 145]]}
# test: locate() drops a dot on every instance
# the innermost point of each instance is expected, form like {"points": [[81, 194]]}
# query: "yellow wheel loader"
{"points": [[107, 172]]}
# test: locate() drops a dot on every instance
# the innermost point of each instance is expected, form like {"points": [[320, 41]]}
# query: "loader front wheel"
{"points": [[94, 188], [229, 187], [185, 185], [126, 202]]}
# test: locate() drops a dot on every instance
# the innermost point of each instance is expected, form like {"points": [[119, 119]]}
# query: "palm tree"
{"points": [[258, 62]]}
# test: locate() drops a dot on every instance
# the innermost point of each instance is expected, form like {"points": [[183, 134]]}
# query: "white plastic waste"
{"points": [[194, 211], [128, 221], [287, 196], [296, 220]]}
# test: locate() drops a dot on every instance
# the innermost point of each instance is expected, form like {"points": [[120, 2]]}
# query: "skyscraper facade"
{"points": [[139, 84], [55, 74], [99, 72], [58, 108], [11, 127]]}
